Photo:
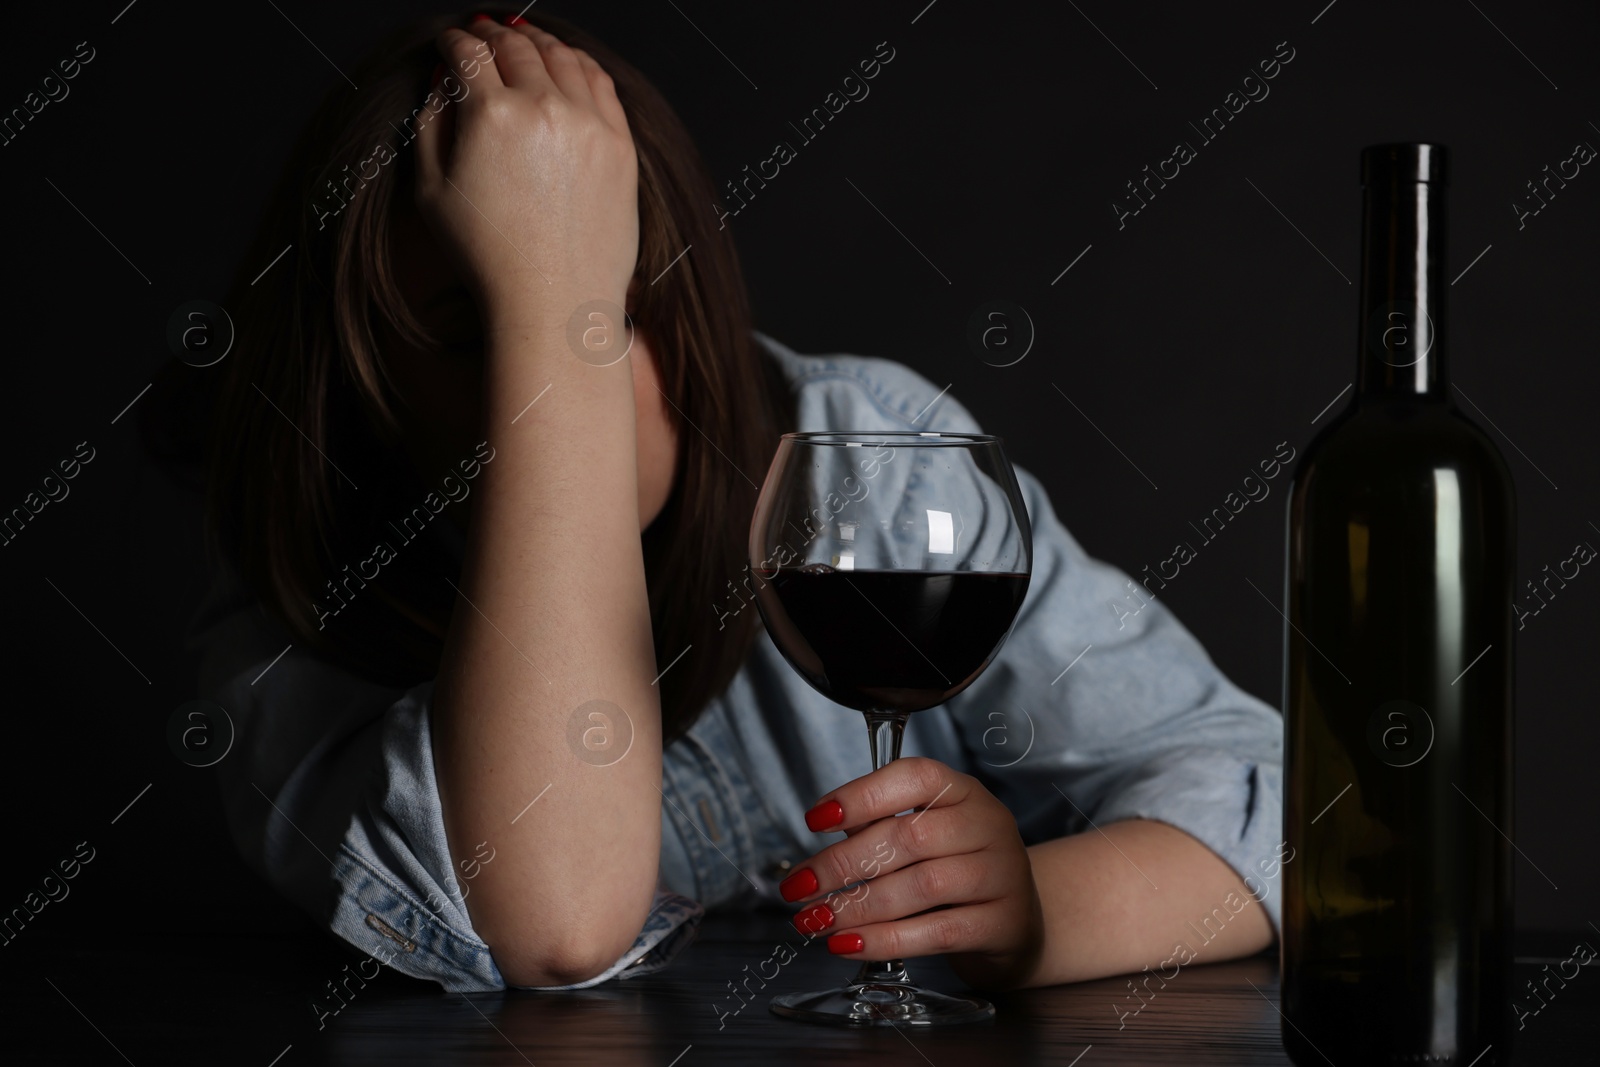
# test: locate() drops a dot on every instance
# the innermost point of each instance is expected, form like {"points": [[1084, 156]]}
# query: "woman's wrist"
{"points": [[1103, 914], [520, 307], [580, 321], [1015, 969]]}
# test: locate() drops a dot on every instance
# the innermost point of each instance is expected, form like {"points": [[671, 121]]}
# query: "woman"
{"points": [[447, 531]]}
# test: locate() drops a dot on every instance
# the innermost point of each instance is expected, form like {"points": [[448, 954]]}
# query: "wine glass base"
{"points": [[882, 1004]]}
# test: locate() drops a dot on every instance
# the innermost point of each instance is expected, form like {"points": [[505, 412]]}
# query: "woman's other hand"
{"points": [[950, 876], [530, 180]]}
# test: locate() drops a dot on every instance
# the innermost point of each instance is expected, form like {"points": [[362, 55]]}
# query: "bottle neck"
{"points": [[1402, 291]]}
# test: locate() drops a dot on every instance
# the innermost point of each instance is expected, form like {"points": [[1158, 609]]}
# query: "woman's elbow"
{"points": [[576, 953], [555, 966]]}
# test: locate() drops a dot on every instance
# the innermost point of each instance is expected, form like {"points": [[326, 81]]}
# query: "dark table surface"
{"points": [[117, 996]]}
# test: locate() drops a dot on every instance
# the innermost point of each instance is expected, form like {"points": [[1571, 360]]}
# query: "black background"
{"points": [[1196, 338]]}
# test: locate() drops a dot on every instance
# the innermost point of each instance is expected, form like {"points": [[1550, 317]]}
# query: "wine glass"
{"points": [[891, 568]]}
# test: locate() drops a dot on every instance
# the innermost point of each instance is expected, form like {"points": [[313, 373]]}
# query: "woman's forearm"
{"points": [[1127, 896], [553, 614]]}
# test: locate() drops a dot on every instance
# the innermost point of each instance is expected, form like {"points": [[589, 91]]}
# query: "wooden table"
{"points": [[117, 996]]}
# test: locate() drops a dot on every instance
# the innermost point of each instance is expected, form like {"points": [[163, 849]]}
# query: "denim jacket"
{"points": [[1100, 706]]}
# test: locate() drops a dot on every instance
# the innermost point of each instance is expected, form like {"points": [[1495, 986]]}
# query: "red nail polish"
{"points": [[481, 17], [825, 816], [843, 944], [437, 76], [517, 20], [814, 920], [799, 885]]}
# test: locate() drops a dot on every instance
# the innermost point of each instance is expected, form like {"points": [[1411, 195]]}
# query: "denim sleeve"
{"points": [[1101, 706], [330, 795]]}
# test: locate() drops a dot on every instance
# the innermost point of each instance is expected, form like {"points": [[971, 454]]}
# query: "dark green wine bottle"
{"points": [[1398, 681]]}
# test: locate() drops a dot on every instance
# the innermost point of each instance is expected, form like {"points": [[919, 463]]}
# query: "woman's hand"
{"points": [[530, 180], [950, 877]]}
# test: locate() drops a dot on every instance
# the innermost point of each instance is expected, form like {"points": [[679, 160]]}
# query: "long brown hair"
{"points": [[306, 412]]}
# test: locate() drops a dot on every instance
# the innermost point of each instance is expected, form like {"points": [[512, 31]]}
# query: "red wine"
{"points": [[888, 640], [1398, 682]]}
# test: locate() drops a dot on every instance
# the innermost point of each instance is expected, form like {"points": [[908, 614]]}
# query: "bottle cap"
{"points": [[1385, 164]]}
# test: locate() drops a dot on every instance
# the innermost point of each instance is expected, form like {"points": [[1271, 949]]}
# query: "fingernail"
{"points": [[799, 885], [844, 944], [438, 76], [481, 17], [825, 816], [814, 920], [517, 20]]}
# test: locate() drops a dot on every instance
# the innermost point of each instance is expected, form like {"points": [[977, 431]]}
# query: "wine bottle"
{"points": [[1398, 681]]}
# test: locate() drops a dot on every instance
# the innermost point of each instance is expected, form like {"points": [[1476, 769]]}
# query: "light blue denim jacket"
{"points": [[1099, 707]]}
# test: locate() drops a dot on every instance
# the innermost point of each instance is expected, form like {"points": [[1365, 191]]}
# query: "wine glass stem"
{"points": [[884, 730]]}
